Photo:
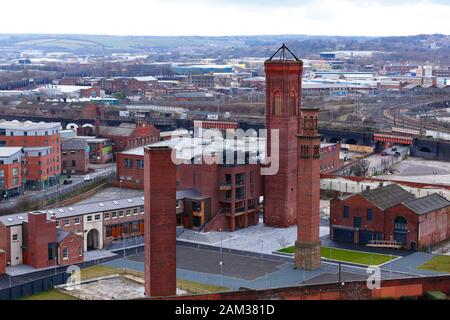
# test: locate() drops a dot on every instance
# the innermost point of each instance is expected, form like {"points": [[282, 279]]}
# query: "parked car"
{"points": [[67, 182], [397, 154], [87, 178]]}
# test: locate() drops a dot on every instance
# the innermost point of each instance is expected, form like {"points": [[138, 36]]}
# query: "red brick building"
{"points": [[75, 156], [213, 196], [390, 213], [126, 136], [39, 241], [70, 248], [42, 151], [10, 171]]}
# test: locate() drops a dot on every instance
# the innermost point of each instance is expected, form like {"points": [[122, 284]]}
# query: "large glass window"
{"points": [[240, 193], [400, 224], [240, 179]]}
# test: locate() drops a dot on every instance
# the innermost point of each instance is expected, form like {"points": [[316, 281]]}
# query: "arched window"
{"points": [[400, 224], [293, 104], [277, 104]]}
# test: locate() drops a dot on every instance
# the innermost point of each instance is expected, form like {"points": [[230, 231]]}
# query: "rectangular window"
{"points": [[97, 217], [369, 214], [128, 212], [135, 211], [57, 223], [196, 206], [77, 220], [65, 253], [15, 237], [89, 218], [114, 215], [346, 212], [357, 222], [240, 179], [66, 223], [120, 213], [106, 215], [51, 249]]}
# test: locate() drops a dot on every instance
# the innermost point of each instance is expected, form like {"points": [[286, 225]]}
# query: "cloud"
{"points": [[228, 17]]}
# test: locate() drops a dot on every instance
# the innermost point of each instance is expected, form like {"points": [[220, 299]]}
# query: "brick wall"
{"points": [[396, 289], [74, 245], [40, 233], [78, 157], [2, 262], [358, 206], [160, 222]]}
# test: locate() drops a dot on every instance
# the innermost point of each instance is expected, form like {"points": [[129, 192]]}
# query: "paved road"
{"points": [[77, 183]]}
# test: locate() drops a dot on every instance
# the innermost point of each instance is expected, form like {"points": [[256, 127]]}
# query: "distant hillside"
{"points": [[230, 46]]}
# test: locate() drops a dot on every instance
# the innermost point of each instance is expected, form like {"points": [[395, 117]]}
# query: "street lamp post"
{"points": [[221, 240], [262, 248], [221, 272]]}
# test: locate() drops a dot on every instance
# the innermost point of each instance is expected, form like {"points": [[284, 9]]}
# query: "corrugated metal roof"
{"points": [[427, 204], [387, 196]]}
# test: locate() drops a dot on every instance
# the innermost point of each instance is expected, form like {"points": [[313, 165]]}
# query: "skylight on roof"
{"points": [[10, 219], [61, 210], [71, 209], [20, 217], [115, 202], [51, 211], [101, 204], [130, 201]]}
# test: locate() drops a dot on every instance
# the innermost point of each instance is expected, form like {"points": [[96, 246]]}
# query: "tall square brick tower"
{"points": [[307, 251], [160, 222], [283, 94]]}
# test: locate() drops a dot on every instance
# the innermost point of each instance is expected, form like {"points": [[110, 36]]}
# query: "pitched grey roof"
{"points": [[387, 196], [427, 204], [190, 194], [61, 235], [73, 144]]}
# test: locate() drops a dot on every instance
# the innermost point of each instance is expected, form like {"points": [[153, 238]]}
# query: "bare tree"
{"points": [[283, 242], [360, 168], [355, 291]]}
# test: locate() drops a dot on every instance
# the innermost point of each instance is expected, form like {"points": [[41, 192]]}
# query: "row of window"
{"points": [[129, 163], [369, 213], [65, 253], [67, 222]]}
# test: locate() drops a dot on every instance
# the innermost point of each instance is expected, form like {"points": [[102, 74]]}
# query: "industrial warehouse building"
{"points": [[390, 213]]}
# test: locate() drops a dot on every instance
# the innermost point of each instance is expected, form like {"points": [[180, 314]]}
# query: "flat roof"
{"points": [[92, 208], [9, 151]]}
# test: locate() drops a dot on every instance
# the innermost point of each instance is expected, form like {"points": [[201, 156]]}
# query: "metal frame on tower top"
{"points": [[283, 50]]}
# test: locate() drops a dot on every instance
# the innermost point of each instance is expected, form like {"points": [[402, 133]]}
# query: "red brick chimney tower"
{"points": [[160, 222], [283, 88], [307, 252]]}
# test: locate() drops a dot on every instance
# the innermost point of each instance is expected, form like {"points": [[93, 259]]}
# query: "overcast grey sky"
{"points": [[226, 17]]}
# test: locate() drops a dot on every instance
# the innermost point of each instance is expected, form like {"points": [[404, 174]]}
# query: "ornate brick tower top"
{"points": [[283, 100]]}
